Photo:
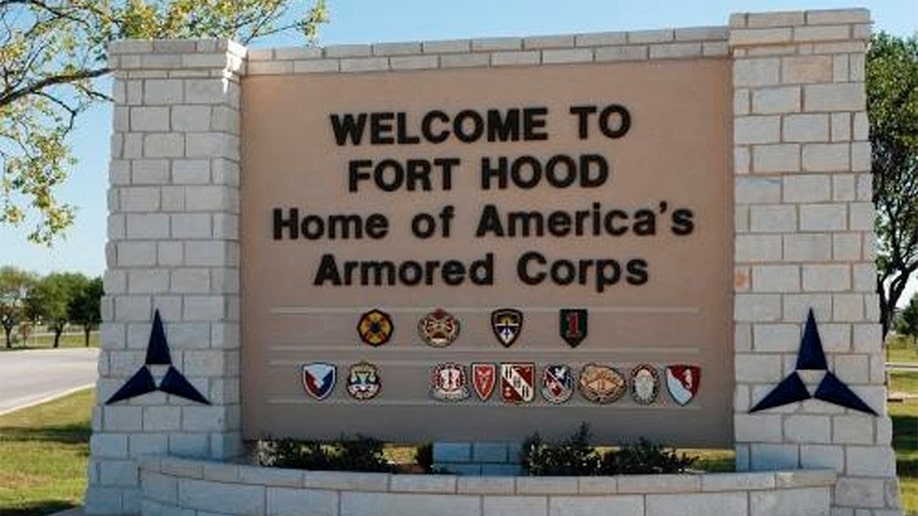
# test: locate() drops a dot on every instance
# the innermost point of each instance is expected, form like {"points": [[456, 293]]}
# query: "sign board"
{"points": [[567, 215]]}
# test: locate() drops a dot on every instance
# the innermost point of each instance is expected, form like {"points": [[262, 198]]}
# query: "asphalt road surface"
{"points": [[31, 376]]}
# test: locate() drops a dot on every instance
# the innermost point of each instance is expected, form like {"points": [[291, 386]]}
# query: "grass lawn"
{"points": [[905, 441], [44, 451], [68, 340], [902, 349]]}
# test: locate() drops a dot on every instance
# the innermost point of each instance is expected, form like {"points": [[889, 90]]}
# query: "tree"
{"points": [[84, 307], [51, 298], [52, 54], [907, 321], [892, 107], [15, 285]]}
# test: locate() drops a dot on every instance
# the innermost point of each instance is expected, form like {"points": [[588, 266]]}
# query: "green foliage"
{"points": [[907, 320], [15, 285], [423, 457], [52, 54], [892, 107], [50, 300], [575, 456], [358, 454], [84, 308]]}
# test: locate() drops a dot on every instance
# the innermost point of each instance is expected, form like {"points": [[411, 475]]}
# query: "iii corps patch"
{"points": [[319, 379], [682, 382], [601, 384], [507, 324], [375, 327], [448, 382], [438, 328], [573, 326], [645, 384], [484, 378], [557, 383], [363, 381], [517, 383]]}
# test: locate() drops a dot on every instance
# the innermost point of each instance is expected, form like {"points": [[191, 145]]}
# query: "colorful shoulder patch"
{"points": [[645, 384], [484, 379], [517, 382], [438, 328], [682, 382], [375, 327], [573, 326], [507, 324], [363, 381], [319, 379], [601, 384], [557, 383], [448, 382]]}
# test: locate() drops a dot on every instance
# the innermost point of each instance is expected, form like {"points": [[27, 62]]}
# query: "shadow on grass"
{"points": [[68, 434], [905, 433], [39, 508]]}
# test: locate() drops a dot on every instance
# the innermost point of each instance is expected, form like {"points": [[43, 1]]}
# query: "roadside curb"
{"points": [[46, 399]]}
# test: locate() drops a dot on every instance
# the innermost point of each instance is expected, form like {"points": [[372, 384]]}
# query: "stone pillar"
{"points": [[173, 247], [804, 239]]}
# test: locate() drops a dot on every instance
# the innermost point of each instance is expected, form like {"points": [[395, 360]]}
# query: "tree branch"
{"points": [[35, 87]]}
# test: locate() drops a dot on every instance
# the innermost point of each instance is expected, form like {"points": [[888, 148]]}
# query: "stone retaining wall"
{"points": [[172, 486]]}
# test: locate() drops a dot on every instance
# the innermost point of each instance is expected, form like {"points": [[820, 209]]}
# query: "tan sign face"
{"points": [[571, 222]]}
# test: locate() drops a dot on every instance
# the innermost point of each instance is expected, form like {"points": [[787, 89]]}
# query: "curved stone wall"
{"points": [[174, 486]]}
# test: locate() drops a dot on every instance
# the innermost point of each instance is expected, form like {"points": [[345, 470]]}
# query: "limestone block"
{"points": [[767, 101], [149, 171], [147, 226], [515, 58], [496, 44], [757, 190], [107, 444], [776, 337], [756, 72], [756, 307], [695, 503], [776, 158], [446, 46], [853, 491], [163, 145], [317, 66], [758, 367], [600, 39], [398, 504], [758, 248], [848, 307], [159, 91], [806, 69], [292, 502], [776, 278], [148, 118], [675, 50], [769, 457], [775, 19], [826, 278], [808, 247], [464, 60], [822, 456], [365, 64], [622, 53], [559, 41], [546, 485], [806, 128], [572, 55], [624, 505], [413, 62], [807, 429], [347, 50], [485, 485], [837, 16], [650, 36], [807, 188], [191, 171], [225, 498], [772, 219], [139, 199], [812, 501], [379, 49], [823, 217], [834, 97], [191, 225], [148, 281], [756, 129], [190, 118]]}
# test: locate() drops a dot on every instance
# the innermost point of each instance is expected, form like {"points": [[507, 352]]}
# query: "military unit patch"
{"points": [[438, 328], [448, 382], [682, 382], [484, 378], [601, 384], [363, 381], [645, 384], [557, 383], [517, 382], [573, 325], [319, 379], [375, 327], [507, 324]]}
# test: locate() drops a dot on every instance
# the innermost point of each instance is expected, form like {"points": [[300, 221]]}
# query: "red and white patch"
{"points": [[517, 383], [484, 378], [682, 382], [448, 382]]}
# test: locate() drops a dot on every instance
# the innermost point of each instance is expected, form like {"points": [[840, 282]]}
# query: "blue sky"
{"points": [[371, 21]]}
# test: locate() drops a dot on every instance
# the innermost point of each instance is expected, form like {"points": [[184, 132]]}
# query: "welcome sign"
{"points": [[555, 237]]}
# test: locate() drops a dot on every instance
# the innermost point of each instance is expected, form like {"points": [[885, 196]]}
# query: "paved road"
{"points": [[30, 376]]}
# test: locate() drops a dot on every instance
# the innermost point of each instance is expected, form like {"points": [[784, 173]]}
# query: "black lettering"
{"points": [[377, 226], [522, 268], [609, 222], [348, 128], [312, 227], [683, 223], [344, 226], [426, 130], [418, 171], [608, 272], [533, 121], [410, 273], [460, 127], [403, 137], [447, 164], [481, 272], [381, 272], [637, 271], [328, 271], [591, 164], [516, 171], [355, 173], [559, 223], [624, 121], [503, 129], [398, 176], [290, 223], [520, 223], [453, 272], [487, 172], [645, 223], [583, 115], [381, 128], [563, 272], [552, 173], [489, 222], [423, 225]]}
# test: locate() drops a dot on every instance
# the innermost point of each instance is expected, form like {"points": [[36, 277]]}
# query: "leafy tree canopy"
{"points": [[15, 286], [52, 54], [892, 106]]}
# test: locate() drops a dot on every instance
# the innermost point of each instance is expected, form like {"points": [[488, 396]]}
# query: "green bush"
{"points": [[357, 454], [575, 456]]}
